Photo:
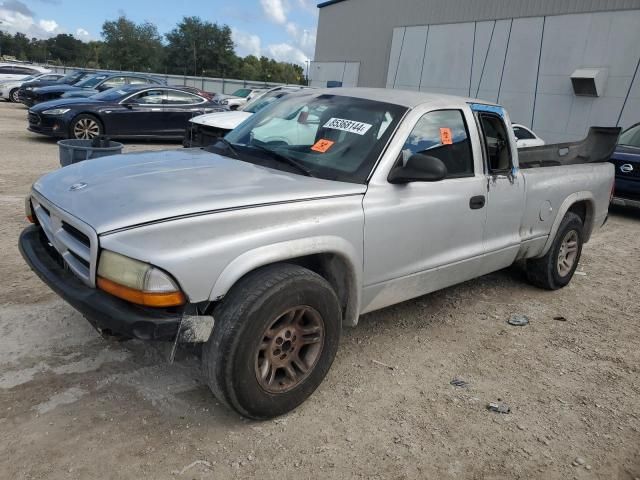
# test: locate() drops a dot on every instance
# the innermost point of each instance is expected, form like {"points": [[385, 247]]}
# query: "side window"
{"points": [[496, 143], [442, 134], [6, 70], [25, 70], [150, 97], [112, 82], [522, 133], [138, 80], [175, 97]]}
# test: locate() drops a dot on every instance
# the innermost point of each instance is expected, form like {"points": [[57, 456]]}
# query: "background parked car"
{"points": [[626, 159], [87, 87], [9, 88], [18, 71], [204, 130], [525, 136], [70, 78], [240, 97], [129, 111]]}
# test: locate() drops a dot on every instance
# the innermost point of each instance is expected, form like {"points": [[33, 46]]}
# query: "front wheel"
{"points": [[556, 268], [274, 340], [85, 127]]}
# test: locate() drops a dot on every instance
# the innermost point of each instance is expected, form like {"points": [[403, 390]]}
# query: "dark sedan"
{"points": [[627, 162], [133, 111], [70, 78], [87, 87]]}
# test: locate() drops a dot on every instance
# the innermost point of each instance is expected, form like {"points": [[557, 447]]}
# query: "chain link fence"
{"points": [[208, 84]]}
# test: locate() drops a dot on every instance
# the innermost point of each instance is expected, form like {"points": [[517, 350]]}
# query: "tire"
{"points": [[13, 96], [550, 272], [251, 326], [85, 127]]}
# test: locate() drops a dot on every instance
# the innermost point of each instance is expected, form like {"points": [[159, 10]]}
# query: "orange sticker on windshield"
{"points": [[445, 136], [322, 146]]}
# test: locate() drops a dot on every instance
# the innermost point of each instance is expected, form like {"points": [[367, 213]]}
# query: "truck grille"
{"points": [[76, 242]]}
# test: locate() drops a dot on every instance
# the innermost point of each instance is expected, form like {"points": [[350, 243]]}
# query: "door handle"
{"points": [[477, 202]]}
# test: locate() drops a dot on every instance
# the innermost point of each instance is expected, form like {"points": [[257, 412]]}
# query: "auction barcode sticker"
{"points": [[350, 126]]}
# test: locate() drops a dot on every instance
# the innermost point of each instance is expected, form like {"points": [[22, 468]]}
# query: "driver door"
{"points": [[423, 236], [139, 115]]}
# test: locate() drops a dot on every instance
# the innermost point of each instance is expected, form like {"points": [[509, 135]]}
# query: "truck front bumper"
{"points": [[104, 311]]}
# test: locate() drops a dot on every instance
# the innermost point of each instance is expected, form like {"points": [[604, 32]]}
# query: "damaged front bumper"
{"points": [[105, 312]]}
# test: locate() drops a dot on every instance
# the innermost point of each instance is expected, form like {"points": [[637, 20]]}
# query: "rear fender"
{"points": [[562, 211]]}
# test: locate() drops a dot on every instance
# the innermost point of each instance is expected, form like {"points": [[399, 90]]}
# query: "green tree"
{"points": [[197, 47], [131, 46]]}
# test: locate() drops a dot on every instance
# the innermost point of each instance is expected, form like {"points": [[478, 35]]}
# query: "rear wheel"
{"points": [[13, 95], [555, 269], [274, 340], [85, 127]]}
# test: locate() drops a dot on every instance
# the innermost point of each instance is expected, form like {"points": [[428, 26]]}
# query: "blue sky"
{"points": [[280, 29]]}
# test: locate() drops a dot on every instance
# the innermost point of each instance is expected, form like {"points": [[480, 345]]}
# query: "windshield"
{"points": [[111, 95], [91, 81], [267, 99], [69, 77], [242, 92], [30, 77], [330, 136], [630, 137]]}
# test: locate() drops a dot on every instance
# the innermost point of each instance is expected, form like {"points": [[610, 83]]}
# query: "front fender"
{"points": [[292, 249]]}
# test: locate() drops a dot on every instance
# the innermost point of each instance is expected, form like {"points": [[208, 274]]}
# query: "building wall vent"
{"points": [[589, 82]]}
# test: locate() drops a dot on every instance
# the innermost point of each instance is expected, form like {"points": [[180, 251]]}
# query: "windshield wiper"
{"points": [[284, 158], [229, 146]]}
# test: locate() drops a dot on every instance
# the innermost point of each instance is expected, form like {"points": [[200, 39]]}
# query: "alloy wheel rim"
{"points": [[14, 96], [568, 253], [290, 349], [86, 129]]}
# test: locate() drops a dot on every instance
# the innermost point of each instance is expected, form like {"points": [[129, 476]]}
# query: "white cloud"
{"points": [[275, 10], [82, 34], [283, 52], [246, 43], [48, 26], [16, 17]]}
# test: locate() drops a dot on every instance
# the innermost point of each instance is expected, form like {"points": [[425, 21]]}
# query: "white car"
{"points": [[205, 129], [19, 71], [240, 97], [9, 88], [525, 136]]}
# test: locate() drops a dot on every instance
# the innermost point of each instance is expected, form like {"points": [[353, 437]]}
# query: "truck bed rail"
{"points": [[598, 146]]}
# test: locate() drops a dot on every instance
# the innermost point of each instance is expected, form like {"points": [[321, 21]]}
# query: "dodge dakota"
{"points": [[264, 245]]}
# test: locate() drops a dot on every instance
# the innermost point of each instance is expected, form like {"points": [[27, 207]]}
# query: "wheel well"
{"points": [[335, 270], [584, 210]]}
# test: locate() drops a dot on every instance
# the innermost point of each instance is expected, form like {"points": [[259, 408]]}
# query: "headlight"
{"points": [[56, 111], [137, 282], [224, 102]]}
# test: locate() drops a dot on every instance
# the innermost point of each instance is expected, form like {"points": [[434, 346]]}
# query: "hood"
{"points": [[63, 102], [126, 190], [627, 154], [79, 92], [227, 120], [59, 87]]}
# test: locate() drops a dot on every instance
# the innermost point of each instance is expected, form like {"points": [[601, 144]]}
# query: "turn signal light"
{"points": [[148, 299]]}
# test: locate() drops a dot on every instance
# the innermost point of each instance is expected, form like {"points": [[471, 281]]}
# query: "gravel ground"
{"points": [[73, 405]]}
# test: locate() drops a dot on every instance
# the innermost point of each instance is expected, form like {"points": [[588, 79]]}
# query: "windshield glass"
{"points": [[631, 137], [330, 136], [259, 103], [91, 81], [242, 92], [30, 77]]}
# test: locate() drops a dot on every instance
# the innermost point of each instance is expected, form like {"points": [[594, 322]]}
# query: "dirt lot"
{"points": [[75, 406]]}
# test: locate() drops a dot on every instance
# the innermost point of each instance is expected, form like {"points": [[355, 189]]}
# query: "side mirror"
{"points": [[419, 168]]}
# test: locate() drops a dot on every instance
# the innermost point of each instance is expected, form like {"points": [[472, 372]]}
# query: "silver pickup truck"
{"points": [[322, 207]]}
